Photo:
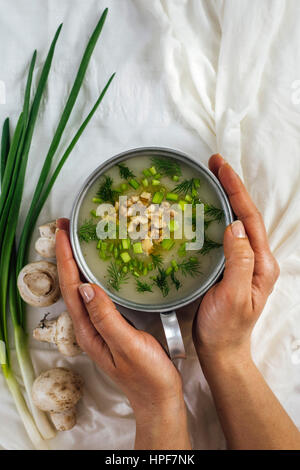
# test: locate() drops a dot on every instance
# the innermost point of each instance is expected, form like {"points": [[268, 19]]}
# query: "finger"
{"points": [[66, 265], [87, 336], [113, 328], [63, 224], [215, 162], [265, 267], [239, 261]]}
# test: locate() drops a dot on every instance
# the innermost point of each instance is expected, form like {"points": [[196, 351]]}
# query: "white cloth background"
{"points": [[199, 76]]}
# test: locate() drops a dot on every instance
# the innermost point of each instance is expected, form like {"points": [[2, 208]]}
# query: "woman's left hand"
{"points": [[132, 358]]}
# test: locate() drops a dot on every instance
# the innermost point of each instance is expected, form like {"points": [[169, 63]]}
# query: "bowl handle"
{"points": [[173, 335]]}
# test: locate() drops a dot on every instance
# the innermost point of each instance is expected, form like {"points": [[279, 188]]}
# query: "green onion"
{"points": [[134, 184], [145, 271], [155, 182], [17, 160], [167, 244], [125, 257], [182, 204], [125, 244], [174, 265], [5, 144], [15, 171], [152, 170], [169, 270], [124, 187], [137, 248], [173, 225], [145, 182], [147, 173], [158, 197], [32, 214], [97, 200], [172, 197]]}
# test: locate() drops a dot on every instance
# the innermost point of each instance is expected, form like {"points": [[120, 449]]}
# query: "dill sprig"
{"points": [[157, 260], [187, 187], [87, 231], [190, 267], [125, 172], [161, 282], [166, 166], [105, 192], [209, 245], [213, 212], [175, 281], [116, 277], [143, 286]]}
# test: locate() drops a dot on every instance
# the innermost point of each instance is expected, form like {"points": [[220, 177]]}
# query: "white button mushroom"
{"points": [[45, 244], [38, 284], [59, 331], [57, 391]]}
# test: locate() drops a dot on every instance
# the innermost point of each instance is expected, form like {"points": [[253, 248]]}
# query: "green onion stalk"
{"points": [[13, 164]]}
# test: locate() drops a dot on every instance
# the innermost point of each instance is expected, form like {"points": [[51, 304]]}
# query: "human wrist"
{"points": [[162, 425], [223, 360]]}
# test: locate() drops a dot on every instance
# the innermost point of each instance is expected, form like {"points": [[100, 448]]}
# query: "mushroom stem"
{"points": [[60, 332], [64, 420]]}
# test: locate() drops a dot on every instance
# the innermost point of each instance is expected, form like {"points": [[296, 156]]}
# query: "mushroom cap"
{"points": [[57, 390], [48, 230], [65, 336], [45, 247], [38, 284]]}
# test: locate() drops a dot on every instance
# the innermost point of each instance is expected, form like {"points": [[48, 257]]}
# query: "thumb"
{"points": [[239, 257], [104, 315]]}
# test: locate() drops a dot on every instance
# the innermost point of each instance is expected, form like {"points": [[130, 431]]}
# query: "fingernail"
{"points": [[86, 292], [238, 230]]}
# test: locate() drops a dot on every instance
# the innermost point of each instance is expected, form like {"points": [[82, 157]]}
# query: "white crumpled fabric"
{"points": [[198, 76]]}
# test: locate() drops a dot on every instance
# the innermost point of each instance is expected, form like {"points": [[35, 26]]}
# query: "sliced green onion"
{"points": [[134, 184], [173, 225], [125, 257], [182, 204], [169, 270], [147, 173], [158, 197], [137, 248], [174, 265], [125, 244], [124, 187], [152, 170], [167, 244], [172, 197]]}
